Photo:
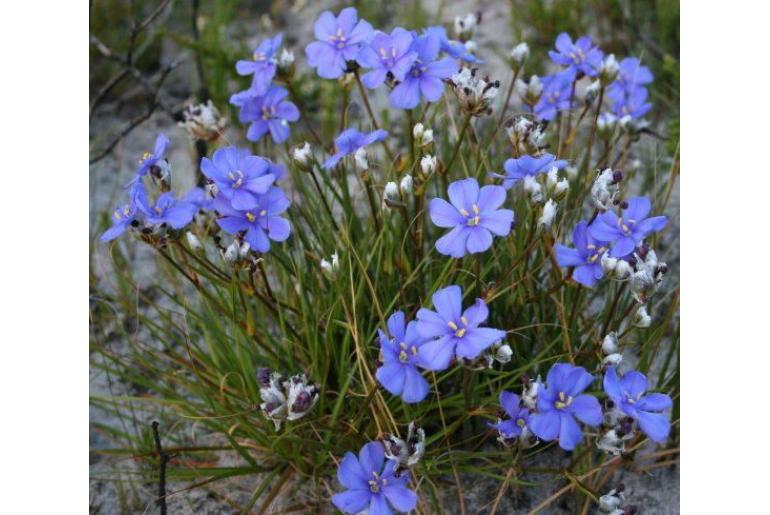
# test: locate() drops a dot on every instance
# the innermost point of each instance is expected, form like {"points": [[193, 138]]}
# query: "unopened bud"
{"points": [[608, 71], [641, 318], [406, 184], [428, 165], [193, 241], [519, 55]]}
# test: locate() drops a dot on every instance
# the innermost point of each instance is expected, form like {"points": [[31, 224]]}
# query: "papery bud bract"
{"points": [[548, 214], [390, 192], [604, 189], [428, 164], [612, 359], [406, 184], [533, 188], [610, 343], [641, 318], [362, 161], [608, 71], [592, 91], [203, 122], [422, 136], [503, 353], [286, 61], [519, 55], [193, 241], [474, 93], [465, 26], [302, 155]]}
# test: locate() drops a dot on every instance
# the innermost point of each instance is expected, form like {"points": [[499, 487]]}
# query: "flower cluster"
{"points": [[285, 400], [372, 483], [431, 342], [264, 105], [609, 236], [551, 411]]}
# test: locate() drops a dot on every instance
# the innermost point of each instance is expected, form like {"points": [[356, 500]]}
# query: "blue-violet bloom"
{"points": [[457, 332], [351, 140], [263, 64], [474, 216], [585, 257], [387, 53], [154, 158], [556, 95], [582, 55], [238, 175], [559, 402], [269, 112], [400, 354], [166, 210], [628, 395], [339, 39], [372, 484], [260, 224], [454, 48], [426, 75], [123, 217], [628, 231], [518, 420], [516, 169]]}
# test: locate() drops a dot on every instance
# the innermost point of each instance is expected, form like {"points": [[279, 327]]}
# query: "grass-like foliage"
{"points": [[574, 278]]}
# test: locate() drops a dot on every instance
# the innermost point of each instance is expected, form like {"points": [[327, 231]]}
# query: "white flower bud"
{"points": [[604, 189], [641, 318], [406, 184], [422, 136], [613, 359], [534, 88], [592, 91], [608, 71], [203, 122], [232, 252], [471, 46], [610, 343], [391, 192], [606, 123], [549, 212], [428, 164], [285, 60], [302, 155], [502, 353], [519, 55], [529, 395], [465, 26], [193, 241], [330, 267], [362, 161], [533, 188]]}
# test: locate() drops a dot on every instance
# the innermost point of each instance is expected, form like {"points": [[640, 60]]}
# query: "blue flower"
{"points": [[400, 355], [559, 402], [518, 420], [154, 161], [473, 215], [582, 55], [351, 140], [263, 65], [425, 76], [518, 168], [123, 217], [585, 257], [259, 224], [166, 210], [238, 175], [270, 112], [387, 54], [556, 96], [372, 486], [456, 332], [628, 395], [339, 39], [628, 231], [629, 102], [454, 48]]}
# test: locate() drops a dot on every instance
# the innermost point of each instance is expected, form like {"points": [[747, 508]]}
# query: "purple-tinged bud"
{"points": [[263, 377], [617, 176]]}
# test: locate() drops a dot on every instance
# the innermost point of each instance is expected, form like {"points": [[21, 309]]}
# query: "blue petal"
{"points": [[654, 425], [545, 425], [392, 377], [479, 240], [654, 402], [587, 409], [454, 242], [350, 473], [569, 432], [437, 354], [448, 302], [402, 498], [371, 458], [352, 501], [415, 387]]}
